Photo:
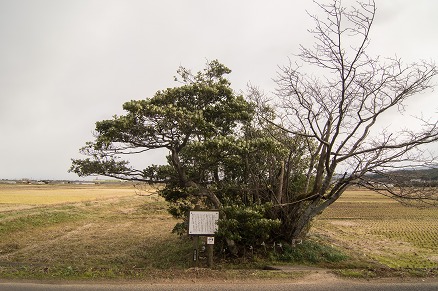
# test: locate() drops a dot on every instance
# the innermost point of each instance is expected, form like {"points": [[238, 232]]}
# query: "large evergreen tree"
{"points": [[217, 156]]}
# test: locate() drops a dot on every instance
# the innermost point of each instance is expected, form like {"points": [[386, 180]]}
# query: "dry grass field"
{"points": [[383, 230], [88, 231], [23, 194]]}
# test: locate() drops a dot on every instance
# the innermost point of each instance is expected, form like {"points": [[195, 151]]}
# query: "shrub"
{"points": [[247, 226]]}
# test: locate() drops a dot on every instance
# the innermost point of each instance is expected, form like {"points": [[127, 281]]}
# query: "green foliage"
{"points": [[248, 226], [219, 154], [204, 108]]}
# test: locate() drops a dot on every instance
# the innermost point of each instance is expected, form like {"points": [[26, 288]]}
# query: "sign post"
{"points": [[203, 223], [210, 245]]}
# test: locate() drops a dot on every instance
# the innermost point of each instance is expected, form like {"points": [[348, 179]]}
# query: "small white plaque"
{"points": [[210, 240]]}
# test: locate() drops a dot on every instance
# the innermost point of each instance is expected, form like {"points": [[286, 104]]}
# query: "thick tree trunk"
{"points": [[302, 224]]}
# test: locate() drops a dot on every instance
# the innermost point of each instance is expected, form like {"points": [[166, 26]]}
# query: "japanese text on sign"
{"points": [[203, 222]]}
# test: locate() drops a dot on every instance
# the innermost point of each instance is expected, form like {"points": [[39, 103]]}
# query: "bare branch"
{"points": [[340, 104]]}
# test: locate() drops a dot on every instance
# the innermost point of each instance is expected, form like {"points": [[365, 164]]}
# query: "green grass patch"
{"points": [[309, 252], [43, 218]]}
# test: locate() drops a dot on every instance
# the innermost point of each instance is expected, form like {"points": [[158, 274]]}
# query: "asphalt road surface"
{"points": [[337, 285]]}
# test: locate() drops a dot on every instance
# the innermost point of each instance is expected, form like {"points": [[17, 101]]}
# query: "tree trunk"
{"points": [[299, 226], [280, 183]]}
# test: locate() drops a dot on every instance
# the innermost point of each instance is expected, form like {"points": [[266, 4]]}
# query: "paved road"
{"points": [[335, 285]]}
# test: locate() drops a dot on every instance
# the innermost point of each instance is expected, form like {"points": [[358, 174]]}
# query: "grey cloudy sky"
{"points": [[65, 64]]}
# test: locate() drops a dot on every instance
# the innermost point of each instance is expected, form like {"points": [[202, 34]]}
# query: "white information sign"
{"points": [[203, 222]]}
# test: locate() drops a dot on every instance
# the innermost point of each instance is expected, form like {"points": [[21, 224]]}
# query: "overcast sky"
{"points": [[65, 64]]}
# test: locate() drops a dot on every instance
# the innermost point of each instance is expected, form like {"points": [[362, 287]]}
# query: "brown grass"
{"points": [[87, 231], [112, 230], [63, 193], [382, 230]]}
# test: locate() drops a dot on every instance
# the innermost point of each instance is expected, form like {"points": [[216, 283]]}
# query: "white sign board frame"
{"points": [[203, 222]]}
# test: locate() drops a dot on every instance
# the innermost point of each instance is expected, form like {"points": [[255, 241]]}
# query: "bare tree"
{"points": [[337, 109]]}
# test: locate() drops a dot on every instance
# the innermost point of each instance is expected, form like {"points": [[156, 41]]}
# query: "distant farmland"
{"points": [[63, 193], [383, 230]]}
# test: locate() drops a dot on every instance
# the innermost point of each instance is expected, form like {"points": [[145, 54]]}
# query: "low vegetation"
{"points": [[384, 231], [116, 233]]}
